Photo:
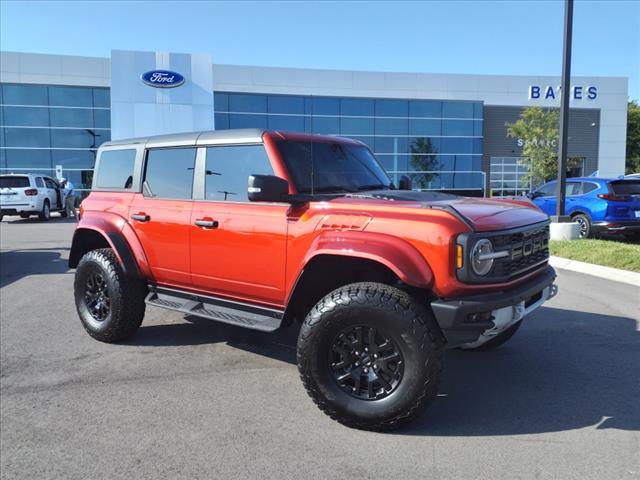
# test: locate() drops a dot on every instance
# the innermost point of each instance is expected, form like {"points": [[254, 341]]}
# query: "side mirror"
{"points": [[404, 183], [534, 195], [267, 188]]}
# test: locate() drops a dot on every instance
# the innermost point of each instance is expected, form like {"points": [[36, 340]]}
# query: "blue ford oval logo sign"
{"points": [[162, 78]]}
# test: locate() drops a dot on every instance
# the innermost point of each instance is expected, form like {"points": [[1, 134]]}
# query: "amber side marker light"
{"points": [[459, 256]]}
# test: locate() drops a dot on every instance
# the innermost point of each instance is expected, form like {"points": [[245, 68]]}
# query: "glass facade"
{"points": [[42, 126], [438, 143]]}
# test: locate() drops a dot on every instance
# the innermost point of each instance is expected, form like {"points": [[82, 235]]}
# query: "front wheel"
{"points": [[370, 356], [110, 305]]}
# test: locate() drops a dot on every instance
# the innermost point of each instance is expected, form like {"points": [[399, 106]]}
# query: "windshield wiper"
{"points": [[378, 186], [332, 190]]}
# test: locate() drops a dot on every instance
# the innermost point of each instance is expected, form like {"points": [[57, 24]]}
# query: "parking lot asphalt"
{"points": [[190, 398]]}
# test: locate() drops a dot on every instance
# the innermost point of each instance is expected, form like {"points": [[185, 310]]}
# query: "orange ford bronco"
{"points": [[261, 229]]}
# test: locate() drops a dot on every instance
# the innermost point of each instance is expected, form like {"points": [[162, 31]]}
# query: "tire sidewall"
{"points": [[87, 266], [582, 219], [46, 211], [415, 358]]}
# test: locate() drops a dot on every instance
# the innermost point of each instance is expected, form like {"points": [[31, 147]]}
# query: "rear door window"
{"points": [[39, 182], [14, 182], [626, 187], [574, 188], [169, 173], [115, 169]]}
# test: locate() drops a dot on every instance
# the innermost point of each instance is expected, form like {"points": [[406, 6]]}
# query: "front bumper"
{"points": [[457, 317], [624, 226]]}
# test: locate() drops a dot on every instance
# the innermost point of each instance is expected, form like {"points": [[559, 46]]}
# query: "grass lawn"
{"points": [[601, 252]]}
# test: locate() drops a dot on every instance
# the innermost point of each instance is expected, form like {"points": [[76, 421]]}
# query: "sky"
{"points": [[516, 37]]}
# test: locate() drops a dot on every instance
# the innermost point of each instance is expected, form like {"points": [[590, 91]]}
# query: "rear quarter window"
{"points": [[115, 169], [626, 187], [14, 182]]}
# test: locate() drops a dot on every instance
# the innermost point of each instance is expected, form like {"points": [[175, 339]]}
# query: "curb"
{"points": [[615, 274]]}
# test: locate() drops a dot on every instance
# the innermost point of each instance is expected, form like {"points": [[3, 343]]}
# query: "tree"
{"points": [[538, 128], [423, 163], [632, 164]]}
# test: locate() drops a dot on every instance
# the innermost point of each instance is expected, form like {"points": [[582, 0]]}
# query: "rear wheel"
{"points": [[110, 305], [585, 225], [370, 356], [45, 213]]}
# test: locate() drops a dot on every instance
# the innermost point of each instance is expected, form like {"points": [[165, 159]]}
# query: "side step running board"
{"points": [[226, 311]]}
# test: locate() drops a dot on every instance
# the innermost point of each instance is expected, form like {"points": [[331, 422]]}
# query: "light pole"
{"points": [[565, 94]]}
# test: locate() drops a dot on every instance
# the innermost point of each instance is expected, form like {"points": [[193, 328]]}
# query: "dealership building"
{"points": [[447, 131]]}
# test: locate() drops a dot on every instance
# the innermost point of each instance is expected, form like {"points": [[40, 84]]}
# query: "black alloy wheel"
{"points": [[97, 296], [365, 364]]}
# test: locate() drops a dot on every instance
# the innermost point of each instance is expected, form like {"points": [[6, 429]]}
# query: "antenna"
{"points": [[312, 158]]}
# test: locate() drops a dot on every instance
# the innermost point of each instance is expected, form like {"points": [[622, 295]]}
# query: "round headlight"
{"points": [[480, 264]]}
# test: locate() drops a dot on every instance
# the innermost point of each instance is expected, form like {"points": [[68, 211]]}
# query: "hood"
{"points": [[482, 214]]}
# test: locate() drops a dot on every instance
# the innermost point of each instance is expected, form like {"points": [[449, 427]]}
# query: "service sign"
{"points": [[162, 78]]}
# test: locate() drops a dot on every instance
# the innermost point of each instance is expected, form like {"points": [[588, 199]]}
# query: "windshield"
{"points": [[332, 167], [14, 182], [626, 187]]}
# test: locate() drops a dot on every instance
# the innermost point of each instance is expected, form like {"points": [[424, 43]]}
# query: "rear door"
{"points": [[238, 247], [161, 214]]}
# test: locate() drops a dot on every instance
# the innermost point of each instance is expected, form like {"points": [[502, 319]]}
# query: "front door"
{"points": [[238, 247], [161, 214]]}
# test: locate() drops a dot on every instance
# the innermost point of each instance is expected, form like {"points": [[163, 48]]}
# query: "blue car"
{"points": [[599, 205]]}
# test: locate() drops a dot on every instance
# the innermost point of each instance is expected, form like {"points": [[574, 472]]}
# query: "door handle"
{"points": [[206, 223], [140, 217]]}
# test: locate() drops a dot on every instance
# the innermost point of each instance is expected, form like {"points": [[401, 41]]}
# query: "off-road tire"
{"points": [[45, 213], [404, 320], [496, 341], [126, 297], [585, 224]]}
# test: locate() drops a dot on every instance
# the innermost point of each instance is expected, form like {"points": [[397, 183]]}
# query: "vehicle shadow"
{"points": [[17, 264], [563, 370], [279, 345], [55, 218]]}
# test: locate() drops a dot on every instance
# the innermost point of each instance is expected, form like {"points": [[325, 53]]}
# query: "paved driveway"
{"points": [[189, 398]]}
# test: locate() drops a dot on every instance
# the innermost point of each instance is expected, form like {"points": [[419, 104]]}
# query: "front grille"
{"points": [[527, 249]]}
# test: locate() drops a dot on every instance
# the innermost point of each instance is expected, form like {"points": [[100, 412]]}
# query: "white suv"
{"points": [[30, 194]]}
